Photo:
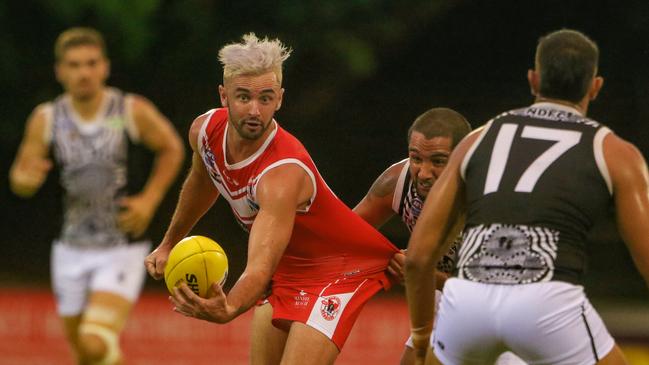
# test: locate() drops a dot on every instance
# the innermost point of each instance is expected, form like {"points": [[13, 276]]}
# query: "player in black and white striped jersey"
{"points": [[531, 184], [402, 189], [91, 132]]}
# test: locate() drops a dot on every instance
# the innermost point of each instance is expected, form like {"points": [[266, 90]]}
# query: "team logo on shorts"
{"points": [[329, 307]]}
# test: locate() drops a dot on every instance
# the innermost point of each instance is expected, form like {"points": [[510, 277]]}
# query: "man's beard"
{"points": [[241, 129], [84, 92]]}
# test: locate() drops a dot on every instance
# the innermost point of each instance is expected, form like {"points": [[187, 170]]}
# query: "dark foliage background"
{"points": [[360, 72]]}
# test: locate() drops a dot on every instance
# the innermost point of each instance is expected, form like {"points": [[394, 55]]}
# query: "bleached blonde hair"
{"points": [[253, 56]]}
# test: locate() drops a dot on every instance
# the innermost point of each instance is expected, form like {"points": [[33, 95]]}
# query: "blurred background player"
{"points": [[531, 183], [90, 132], [325, 261], [402, 189]]}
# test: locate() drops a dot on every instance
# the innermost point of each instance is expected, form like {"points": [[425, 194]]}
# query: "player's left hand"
{"points": [[395, 268], [215, 308], [135, 216]]}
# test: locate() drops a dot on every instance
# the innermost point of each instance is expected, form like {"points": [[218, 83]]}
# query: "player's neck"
{"points": [[239, 148], [87, 108]]}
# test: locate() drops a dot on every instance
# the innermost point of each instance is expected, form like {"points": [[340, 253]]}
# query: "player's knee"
{"points": [[98, 345], [92, 348]]}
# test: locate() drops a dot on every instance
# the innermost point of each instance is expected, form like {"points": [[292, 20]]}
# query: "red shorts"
{"points": [[331, 309]]}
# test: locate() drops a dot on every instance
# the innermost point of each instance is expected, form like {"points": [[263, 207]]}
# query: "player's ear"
{"points": [[58, 72], [223, 96], [107, 68], [595, 87], [534, 80], [279, 99]]}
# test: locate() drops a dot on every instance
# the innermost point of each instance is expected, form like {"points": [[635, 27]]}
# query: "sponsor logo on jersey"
{"points": [[115, 122], [209, 161], [353, 272]]}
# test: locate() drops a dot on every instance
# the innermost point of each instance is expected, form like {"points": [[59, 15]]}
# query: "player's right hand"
{"points": [[29, 175], [215, 308], [156, 261], [136, 213]]}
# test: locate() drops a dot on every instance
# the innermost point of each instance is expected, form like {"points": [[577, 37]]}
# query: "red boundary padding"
{"points": [[31, 334]]}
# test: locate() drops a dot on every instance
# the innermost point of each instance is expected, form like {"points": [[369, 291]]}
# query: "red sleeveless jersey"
{"points": [[329, 241]]}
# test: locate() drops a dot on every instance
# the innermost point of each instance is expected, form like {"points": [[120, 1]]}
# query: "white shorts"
{"points": [[506, 358], [76, 272], [543, 323]]}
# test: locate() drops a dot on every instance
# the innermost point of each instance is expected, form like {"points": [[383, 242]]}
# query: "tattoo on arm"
{"points": [[385, 184]]}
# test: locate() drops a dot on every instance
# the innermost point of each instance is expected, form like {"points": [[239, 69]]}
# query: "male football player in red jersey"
{"points": [[321, 277]]}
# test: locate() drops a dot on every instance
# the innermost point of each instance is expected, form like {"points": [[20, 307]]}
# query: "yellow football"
{"points": [[198, 261]]}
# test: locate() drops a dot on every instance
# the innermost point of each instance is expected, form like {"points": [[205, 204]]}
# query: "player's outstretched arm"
{"points": [[30, 168], [376, 209], [158, 135], [197, 195], [443, 208], [630, 180], [280, 192]]}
